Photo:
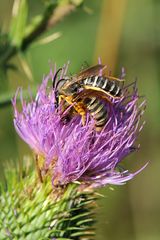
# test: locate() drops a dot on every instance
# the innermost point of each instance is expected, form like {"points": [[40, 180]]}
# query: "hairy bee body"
{"points": [[94, 105], [89, 92]]}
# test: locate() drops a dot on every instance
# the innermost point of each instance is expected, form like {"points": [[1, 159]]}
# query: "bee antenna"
{"points": [[56, 85], [55, 77], [56, 103]]}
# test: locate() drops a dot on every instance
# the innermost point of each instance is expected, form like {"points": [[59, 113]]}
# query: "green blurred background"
{"points": [[123, 33]]}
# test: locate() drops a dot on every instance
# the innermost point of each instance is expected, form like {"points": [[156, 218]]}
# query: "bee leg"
{"points": [[80, 110], [83, 116]]}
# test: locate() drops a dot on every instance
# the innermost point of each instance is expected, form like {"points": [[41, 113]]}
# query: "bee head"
{"points": [[65, 86], [72, 88]]}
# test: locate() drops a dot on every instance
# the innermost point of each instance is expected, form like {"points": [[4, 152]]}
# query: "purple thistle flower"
{"points": [[78, 153]]}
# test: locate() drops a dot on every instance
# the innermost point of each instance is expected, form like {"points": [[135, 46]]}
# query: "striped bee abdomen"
{"points": [[103, 83], [97, 110]]}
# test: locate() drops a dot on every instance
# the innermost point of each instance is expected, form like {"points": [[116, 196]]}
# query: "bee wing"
{"points": [[91, 71], [93, 92]]}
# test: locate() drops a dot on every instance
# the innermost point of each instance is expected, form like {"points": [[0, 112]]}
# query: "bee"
{"points": [[88, 91]]}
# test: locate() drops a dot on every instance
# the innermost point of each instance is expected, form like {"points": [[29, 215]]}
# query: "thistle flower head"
{"points": [[73, 152]]}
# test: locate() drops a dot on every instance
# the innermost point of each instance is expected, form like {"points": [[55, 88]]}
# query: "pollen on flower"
{"points": [[75, 152]]}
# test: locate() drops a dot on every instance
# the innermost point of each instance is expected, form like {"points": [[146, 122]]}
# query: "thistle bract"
{"points": [[31, 210], [73, 152]]}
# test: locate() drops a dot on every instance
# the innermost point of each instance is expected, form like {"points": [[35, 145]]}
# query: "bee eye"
{"points": [[75, 88]]}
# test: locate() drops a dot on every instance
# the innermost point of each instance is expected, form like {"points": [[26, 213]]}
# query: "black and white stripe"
{"points": [[107, 85], [98, 111]]}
